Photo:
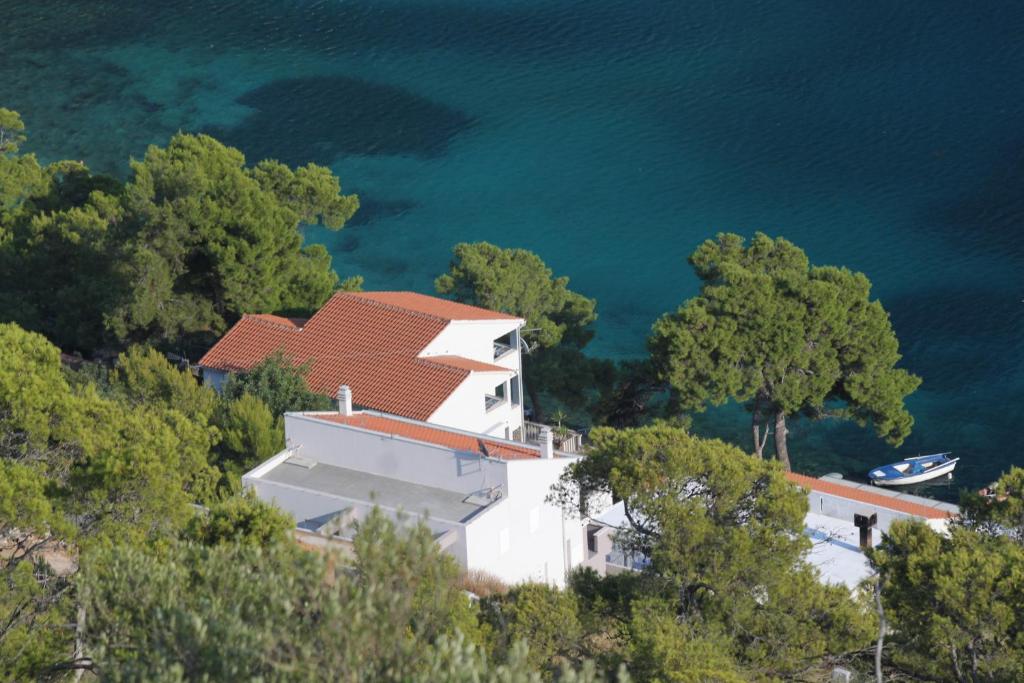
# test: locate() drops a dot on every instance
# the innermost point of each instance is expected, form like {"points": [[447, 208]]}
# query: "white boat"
{"points": [[913, 470]]}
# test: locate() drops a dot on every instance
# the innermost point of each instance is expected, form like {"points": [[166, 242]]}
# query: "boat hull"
{"points": [[933, 473]]}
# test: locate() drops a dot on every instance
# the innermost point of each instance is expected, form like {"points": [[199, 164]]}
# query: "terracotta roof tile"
{"points": [[366, 341], [278, 320], [431, 305], [429, 434], [834, 489]]}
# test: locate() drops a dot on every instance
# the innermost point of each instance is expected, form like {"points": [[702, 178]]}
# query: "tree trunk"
{"points": [[79, 641], [755, 426], [781, 451], [881, 630]]}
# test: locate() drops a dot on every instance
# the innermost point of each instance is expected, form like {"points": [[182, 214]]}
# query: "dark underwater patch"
{"points": [[989, 217], [322, 118], [373, 210]]}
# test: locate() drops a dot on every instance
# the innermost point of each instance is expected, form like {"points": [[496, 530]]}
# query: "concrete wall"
{"points": [[474, 339], [525, 538], [845, 509], [393, 457], [465, 408]]}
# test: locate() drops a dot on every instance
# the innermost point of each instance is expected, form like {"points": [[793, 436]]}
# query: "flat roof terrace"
{"points": [[371, 489]]}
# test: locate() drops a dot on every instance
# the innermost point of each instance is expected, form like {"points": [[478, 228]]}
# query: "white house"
{"points": [[835, 506], [484, 498], [402, 353]]}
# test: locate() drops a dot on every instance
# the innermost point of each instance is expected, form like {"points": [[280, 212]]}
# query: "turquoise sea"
{"points": [[611, 137]]}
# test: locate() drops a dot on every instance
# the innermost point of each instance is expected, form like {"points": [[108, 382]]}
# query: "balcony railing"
{"points": [[492, 402], [566, 440], [501, 350]]}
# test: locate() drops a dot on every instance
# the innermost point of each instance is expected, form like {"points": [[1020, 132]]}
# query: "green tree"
{"points": [[955, 602], [58, 273], [118, 470], [246, 431], [35, 602], [662, 648], [55, 257], [144, 376], [722, 535], [786, 338], [541, 615], [249, 434], [209, 239], [277, 383], [241, 518], [12, 131], [517, 281], [999, 510], [237, 611]]}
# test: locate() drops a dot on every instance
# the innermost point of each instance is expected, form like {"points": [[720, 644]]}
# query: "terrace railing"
{"points": [[566, 440]]}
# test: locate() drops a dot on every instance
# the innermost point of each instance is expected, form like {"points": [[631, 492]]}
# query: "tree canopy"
{"points": [[277, 383], [211, 239], [244, 612], [721, 536], [955, 602], [516, 281], [784, 337], [191, 241], [998, 510]]}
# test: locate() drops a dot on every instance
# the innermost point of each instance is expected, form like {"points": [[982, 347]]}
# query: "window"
{"points": [[494, 400], [504, 346]]}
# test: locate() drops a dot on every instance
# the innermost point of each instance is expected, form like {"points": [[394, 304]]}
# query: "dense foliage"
{"points": [[279, 384], [784, 337], [724, 568], [955, 602], [191, 241]]}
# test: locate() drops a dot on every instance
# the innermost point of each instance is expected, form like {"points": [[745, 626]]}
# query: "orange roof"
{"points": [[851, 493], [278, 320], [431, 305], [369, 341], [429, 434]]}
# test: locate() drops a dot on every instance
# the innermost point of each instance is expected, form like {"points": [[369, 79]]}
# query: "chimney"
{"points": [[344, 400], [547, 442], [865, 523]]}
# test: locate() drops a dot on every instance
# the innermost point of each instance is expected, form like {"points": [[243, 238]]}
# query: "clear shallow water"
{"points": [[611, 137]]}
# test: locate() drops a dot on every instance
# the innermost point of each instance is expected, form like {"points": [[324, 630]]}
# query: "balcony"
{"points": [[501, 350], [566, 440]]}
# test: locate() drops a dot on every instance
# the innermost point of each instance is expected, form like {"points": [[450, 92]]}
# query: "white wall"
{"points": [[465, 408], [393, 457], [474, 339], [524, 538], [844, 509]]}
